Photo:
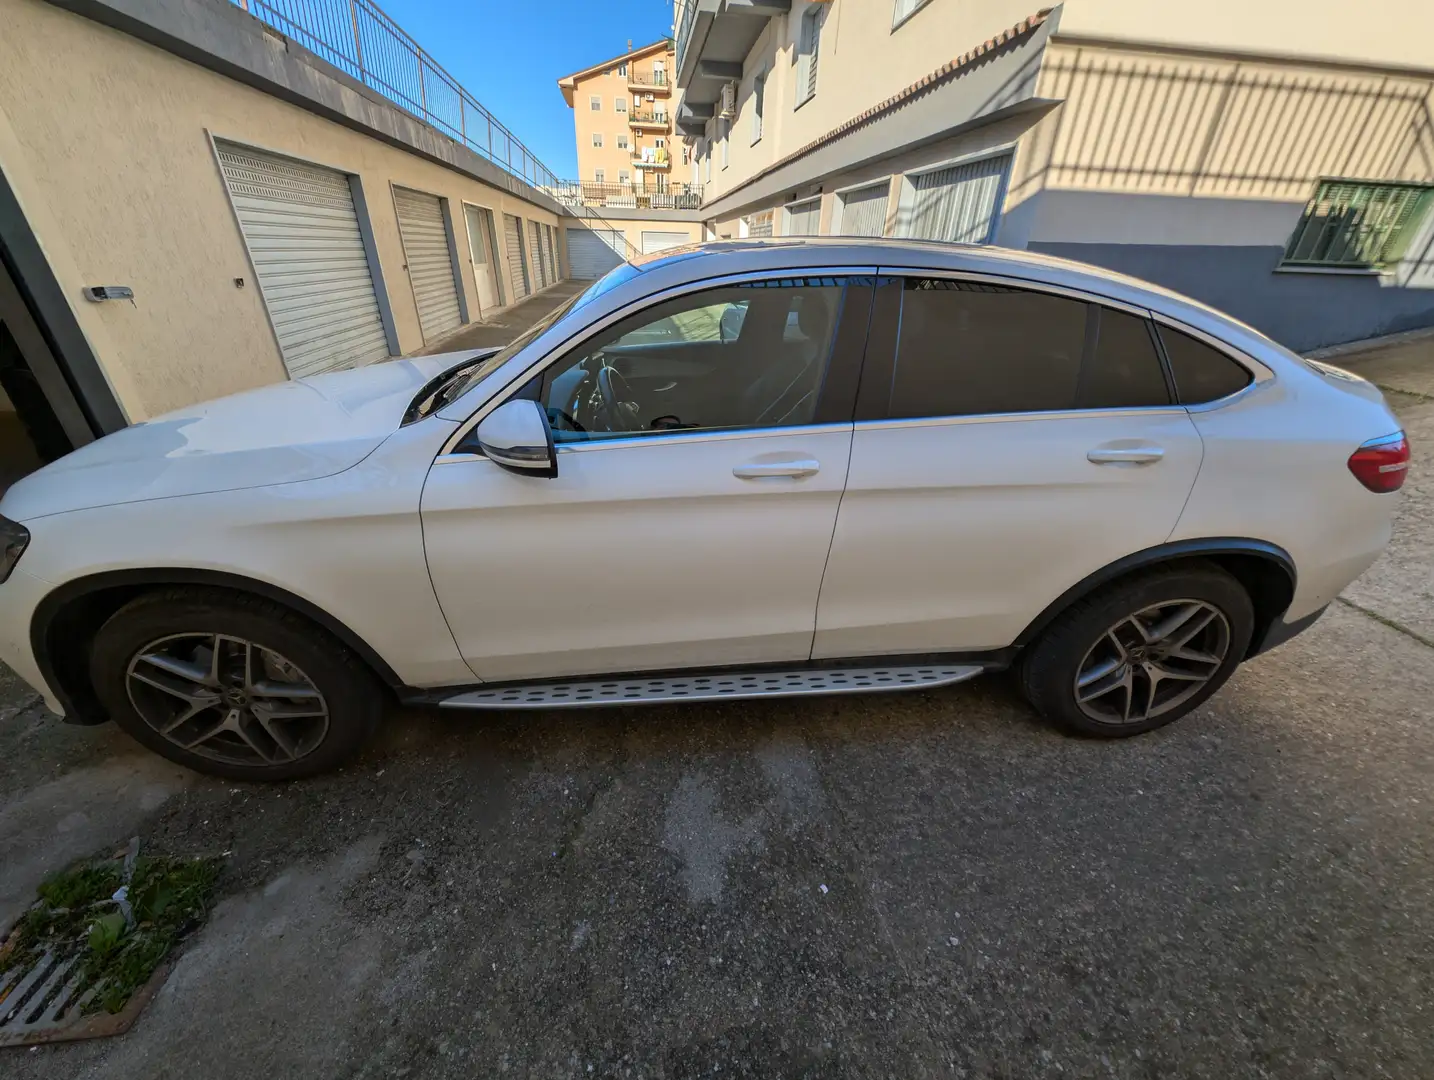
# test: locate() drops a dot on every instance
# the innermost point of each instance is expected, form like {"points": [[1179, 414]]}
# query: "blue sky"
{"points": [[509, 55]]}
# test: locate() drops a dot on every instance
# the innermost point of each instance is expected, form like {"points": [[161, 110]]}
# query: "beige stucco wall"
{"points": [[633, 229], [1392, 32], [110, 155], [608, 86]]}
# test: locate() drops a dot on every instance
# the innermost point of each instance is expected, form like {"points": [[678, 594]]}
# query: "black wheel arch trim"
{"points": [[64, 595], [1155, 556]]}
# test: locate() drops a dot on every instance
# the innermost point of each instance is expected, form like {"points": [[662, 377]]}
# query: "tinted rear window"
{"points": [[1202, 373], [966, 348], [1124, 372]]}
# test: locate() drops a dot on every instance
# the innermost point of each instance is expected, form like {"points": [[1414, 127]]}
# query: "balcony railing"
{"points": [[643, 116], [684, 30], [359, 39], [649, 80], [576, 193]]}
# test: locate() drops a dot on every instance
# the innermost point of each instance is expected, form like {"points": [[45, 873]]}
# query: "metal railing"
{"points": [[359, 39], [672, 196], [647, 78], [684, 30], [645, 116]]}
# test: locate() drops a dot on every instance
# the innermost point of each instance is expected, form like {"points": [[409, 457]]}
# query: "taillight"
{"points": [[1381, 464]]}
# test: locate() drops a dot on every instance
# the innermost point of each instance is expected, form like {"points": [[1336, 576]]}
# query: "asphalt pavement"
{"points": [[932, 884]]}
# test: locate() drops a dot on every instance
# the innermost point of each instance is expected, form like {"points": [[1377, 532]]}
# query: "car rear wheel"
{"points": [[233, 685], [1141, 653]]}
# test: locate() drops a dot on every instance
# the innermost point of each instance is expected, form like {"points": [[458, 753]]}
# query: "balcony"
{"points": [[648, 82], [628, 196], [713, 37], [644, 119], [652, 159]]}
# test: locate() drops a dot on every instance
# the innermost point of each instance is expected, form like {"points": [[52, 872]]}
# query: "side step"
{"points": [[794, 682]]}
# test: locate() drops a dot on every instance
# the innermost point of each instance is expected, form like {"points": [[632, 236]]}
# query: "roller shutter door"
{"points": [[760, 225], [550, 251], [803, 218], [958, 204], [303, 235], [539, 257], [661, 241], [517, 261], [430, 264], [863, 212], [593, 252]]}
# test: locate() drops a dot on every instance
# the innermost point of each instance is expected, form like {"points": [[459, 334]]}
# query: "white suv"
{"points": [[740, 469]]}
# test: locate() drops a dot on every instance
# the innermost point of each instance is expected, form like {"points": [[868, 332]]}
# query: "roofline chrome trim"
{"points": [[558, 350], [1010, 281]]}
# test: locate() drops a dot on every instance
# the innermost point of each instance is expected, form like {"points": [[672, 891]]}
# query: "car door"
{"points": [[1008, 443], [673, 535]]}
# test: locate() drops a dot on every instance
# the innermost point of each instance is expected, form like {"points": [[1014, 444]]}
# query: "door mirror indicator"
{"points": [[516, 436]]}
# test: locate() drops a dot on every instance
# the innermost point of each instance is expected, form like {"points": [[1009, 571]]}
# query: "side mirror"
{"points": [[516, 436]]}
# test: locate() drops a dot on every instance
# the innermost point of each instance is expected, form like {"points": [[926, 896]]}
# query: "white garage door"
{"points": [[661, 241], [958, 204], [593, 252], [430, 263], [517, 261], [863, 212], [535, 245], [303, 236]]}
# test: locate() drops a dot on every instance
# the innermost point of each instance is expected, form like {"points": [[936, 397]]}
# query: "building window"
{"points": [[595, 103], [686, 154], [1357, 225], [620, 104], [659, 141], [726, 130], [622, 69], [599, 175], [759, 92], [622, 141], [809, 46], [623, 176], [637, 101], [597, 140], [905, 9], [707, 164]]}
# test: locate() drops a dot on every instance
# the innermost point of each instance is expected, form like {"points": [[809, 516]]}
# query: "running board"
{"points": [[794, 682]]}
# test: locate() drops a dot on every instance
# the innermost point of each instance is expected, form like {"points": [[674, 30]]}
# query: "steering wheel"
{"points": [[620, 409]]}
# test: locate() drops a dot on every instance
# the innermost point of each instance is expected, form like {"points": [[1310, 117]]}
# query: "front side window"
{"points": [[734, 357], [967, 348], [1202, 373]]}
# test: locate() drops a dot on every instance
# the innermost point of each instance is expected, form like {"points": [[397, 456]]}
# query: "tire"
{"points": [[1095, 640], [312, 705]]}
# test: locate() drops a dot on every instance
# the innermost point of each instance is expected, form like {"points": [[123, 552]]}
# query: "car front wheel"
{"points": [[1141, 653], [233, 685]]}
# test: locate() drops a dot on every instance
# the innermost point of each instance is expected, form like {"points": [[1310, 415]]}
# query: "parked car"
{"points": [[734, 470]]}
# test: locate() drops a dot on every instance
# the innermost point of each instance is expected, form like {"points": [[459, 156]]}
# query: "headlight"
{"points": [[14, 539]]}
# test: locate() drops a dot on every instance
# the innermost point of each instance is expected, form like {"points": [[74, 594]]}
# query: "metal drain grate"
{"points": [[794, 683], [46, 1002]]}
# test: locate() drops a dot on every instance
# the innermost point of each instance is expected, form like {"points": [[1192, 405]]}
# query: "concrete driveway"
{"points": [[911, 886]]}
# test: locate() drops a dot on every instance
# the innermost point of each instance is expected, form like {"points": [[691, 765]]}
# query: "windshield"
{"points": [[475, 375]]}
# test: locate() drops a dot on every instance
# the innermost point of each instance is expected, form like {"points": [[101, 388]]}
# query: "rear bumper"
{"points": [[1281, 631], [20, 595]]}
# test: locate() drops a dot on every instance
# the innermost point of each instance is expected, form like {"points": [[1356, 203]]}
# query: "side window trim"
{"points": [[873, 404], [536, 365]]}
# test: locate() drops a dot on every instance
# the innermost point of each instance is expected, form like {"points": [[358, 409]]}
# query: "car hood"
{"points": [[300, 430]]}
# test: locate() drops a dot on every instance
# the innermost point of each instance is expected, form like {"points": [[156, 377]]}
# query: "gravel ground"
{"points": [[932, 884]]}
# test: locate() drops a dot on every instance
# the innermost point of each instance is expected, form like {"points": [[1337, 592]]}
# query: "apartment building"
{"points": [[622, 118], [1274, 159]]}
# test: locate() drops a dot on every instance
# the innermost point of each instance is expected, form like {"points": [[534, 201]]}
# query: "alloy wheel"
{"points": [[227, 699], [1152, 662]]}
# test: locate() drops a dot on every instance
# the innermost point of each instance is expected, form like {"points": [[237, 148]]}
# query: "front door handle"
{"points": [[1125, 455], [759, 470]]}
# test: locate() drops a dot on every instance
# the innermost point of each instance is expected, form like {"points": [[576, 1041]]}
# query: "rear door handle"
{"points": [[1125, 455], [796, 469]]}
